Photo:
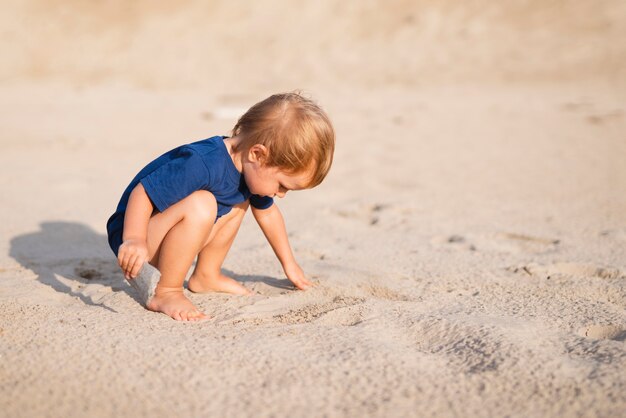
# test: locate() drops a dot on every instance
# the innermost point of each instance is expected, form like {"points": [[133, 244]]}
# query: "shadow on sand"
{"points": [[285, 284], [68, 256]]}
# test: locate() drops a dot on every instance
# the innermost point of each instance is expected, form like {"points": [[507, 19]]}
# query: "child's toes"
{"points": [[196, 315], [190, 315]]}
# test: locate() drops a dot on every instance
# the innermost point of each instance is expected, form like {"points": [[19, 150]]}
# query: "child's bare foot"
{"points": [[219, 283], [172, 302]]}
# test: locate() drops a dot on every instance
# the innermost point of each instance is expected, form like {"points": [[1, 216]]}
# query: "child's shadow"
{"points": [[261, 284], [69, 257]]}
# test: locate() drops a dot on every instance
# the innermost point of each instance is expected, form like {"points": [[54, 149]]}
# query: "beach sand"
{"points": [[469, 243]]}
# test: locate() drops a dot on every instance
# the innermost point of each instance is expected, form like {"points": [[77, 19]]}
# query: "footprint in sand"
{"points": [[454, 242], [501, 242], [568, 270], [369, 214], [603, 332], [618, 234], [341, 310], [373, 215], [311, 312], [472, 348]]}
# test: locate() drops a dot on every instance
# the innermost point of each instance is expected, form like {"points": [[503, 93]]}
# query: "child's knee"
{"points": [[201, 206]]}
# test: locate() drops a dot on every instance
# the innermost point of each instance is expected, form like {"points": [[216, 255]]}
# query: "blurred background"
{"points": [[237, 46]]}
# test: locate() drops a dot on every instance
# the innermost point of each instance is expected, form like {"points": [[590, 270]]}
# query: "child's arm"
{"points": [[273, 226], [134, 250]]}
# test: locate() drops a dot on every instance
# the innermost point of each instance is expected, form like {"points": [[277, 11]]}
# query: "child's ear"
{"points": [[258, 153]]}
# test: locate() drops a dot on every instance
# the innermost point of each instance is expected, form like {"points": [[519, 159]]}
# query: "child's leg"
{"points": [[175, 236], [207, 276]]}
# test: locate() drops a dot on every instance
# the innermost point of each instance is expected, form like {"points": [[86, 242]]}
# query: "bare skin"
{"points": [[218, 283], [174, 237], [173, 303], [207, 276]]}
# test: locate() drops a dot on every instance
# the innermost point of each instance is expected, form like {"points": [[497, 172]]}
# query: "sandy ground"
{"points": [[469, 243]]}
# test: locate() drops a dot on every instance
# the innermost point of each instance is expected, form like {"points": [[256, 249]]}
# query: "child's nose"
{"points": [[281, 194]]}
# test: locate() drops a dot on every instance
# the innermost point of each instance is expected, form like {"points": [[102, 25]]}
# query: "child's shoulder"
{"points": [[211, 149]]}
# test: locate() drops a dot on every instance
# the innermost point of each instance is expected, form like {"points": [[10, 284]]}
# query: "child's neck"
{"points": [[231, 143]]}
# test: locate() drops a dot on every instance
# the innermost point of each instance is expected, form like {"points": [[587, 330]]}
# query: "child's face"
{"points": [[265, 180], [272, 181]]}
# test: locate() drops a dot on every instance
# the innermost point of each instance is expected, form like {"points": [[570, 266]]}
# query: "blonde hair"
{"points": [[296, 131]]}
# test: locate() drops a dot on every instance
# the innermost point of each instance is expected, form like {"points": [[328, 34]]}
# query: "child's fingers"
{"points": [[303, 284], [137, 264], [123, 260], [130, 266]]}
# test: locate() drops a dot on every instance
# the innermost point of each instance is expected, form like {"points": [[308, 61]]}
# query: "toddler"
{"points": [[191, 200]]}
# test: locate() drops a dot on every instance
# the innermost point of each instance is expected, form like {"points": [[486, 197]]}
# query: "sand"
{"points": [[469, 244]]}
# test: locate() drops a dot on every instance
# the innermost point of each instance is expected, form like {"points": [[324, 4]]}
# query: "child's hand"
{"points": [[131, 256], [296, 275]]}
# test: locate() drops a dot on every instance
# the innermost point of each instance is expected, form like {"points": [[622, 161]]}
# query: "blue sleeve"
{"points": [[261, 202], [184, 174]]}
